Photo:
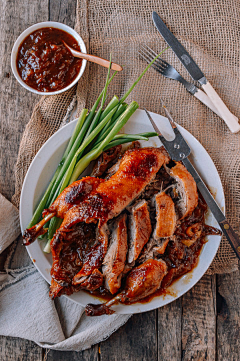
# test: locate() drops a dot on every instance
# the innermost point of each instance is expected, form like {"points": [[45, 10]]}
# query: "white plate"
{"points": [[43, 167]]}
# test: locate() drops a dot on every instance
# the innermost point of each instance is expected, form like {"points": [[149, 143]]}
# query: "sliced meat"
{"points": [[186, 187], [165, 216], [114, 261], [140, 230], [153, 248], [105, 160]]}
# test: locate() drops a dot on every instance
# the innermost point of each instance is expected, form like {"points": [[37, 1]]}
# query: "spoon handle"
{"points": [[95, 59]]}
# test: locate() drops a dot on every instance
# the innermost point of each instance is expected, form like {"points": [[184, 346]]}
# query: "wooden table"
{"points": [[201, 325]]}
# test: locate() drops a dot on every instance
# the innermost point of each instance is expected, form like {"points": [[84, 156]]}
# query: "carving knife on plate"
{"points": [[196, 73], [179, 150]]}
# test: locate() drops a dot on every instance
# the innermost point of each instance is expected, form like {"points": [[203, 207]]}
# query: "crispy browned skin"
{"points": [[114, 261], [186, 181], [138, 168], [74, 194], [141, 282], [144, 280], [166, 216]]}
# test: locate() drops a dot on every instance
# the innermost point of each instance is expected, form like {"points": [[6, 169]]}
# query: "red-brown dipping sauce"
{"points": [[44, 63]]}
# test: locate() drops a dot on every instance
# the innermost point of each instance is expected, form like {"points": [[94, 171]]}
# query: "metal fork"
{"points": [[165, 69], [170, 72], [179, 150]]}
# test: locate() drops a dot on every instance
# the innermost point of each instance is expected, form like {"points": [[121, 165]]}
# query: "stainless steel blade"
{"points": [[179, 50]]}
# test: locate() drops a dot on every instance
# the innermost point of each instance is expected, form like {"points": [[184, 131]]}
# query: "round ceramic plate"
{"points": [[43, 167]]}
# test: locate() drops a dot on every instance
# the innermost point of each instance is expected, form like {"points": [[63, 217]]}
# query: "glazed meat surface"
{"points": [[127, 235], [166, 219], [114, 261], [140, 230], [186, 187]]}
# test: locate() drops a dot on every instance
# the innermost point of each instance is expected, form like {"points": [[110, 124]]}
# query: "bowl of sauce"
{"points": [[40, 61]]}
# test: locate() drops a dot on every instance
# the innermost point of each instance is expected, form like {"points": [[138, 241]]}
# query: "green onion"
{"points": [[93, 154]]}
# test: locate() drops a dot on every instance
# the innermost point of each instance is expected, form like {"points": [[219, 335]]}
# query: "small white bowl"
{"points": [[31, 29]]}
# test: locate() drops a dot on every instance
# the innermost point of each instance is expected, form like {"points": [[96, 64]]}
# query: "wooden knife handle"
{"points": [[231, 236], [226, 115]]}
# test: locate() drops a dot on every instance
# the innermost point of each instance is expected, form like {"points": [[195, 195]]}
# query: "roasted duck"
{"points": [[128, 233]]}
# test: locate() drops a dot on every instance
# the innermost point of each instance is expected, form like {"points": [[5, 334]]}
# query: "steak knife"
{"points": [[196, 73], [179, 150]]}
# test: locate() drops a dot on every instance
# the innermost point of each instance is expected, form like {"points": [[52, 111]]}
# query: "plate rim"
{"points": [[137, 307]]}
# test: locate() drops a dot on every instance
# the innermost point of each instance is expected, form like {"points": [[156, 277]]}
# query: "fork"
{"points": [[179, 150], [170, 72]]}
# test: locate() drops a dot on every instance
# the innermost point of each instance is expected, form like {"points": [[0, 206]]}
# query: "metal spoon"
{"points": [[92, 58]]}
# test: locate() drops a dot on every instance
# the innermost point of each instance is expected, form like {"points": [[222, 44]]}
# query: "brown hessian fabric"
{"points": [[209, 30]]}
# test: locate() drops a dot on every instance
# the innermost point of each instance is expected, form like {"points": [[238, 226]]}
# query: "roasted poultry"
{"points": [[128, 233]]}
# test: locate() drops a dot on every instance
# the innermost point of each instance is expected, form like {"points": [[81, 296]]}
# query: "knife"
{"points": [[179, 150], [196, 73]]}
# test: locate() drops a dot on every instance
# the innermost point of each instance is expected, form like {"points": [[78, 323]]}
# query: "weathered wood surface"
{"points": [[202, 325]]}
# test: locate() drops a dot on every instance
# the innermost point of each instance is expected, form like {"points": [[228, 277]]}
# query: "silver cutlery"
{"points": [[179, 150], [196, 73], [170, 72]]}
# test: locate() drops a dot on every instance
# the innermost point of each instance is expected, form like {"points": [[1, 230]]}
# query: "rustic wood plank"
{"points": [[136, 340], [199, 321], [16, 103], [16, 106], [169, 331], [87, 355], [15, 349], [63, 11], [228, 317]]}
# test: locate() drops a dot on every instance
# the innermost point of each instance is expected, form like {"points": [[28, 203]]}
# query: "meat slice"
{"points": [[165, 216], [186, 187], [153, 248], [140, 230], [141, 282], [114, 261]]}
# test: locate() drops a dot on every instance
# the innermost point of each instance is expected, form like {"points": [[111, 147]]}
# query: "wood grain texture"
{"points": [[16, 106], [169, 331], [63, 11], [16, 103], [199, 321], [87, 355], [16, 349], [228, 317], [136, 340]]}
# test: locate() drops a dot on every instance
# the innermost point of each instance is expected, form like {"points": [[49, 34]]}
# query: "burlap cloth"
{"points": [[209, 30]]}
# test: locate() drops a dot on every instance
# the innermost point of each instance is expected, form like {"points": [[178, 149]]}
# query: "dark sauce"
{"points": [[179, 258], [44, 63]]}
